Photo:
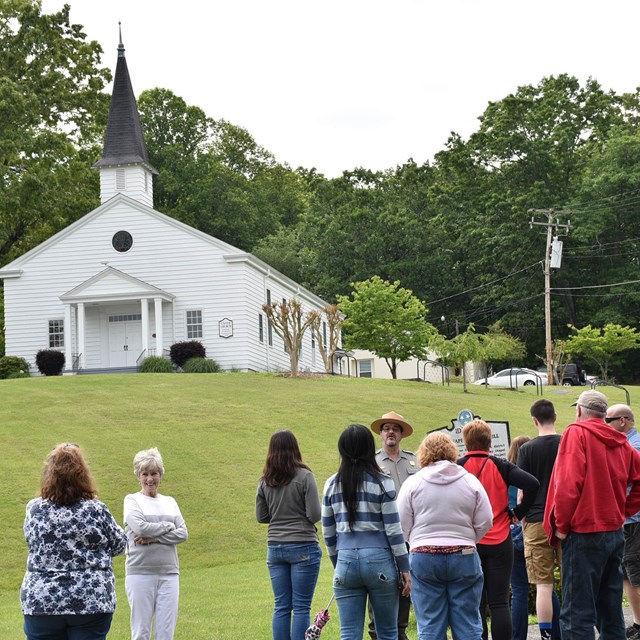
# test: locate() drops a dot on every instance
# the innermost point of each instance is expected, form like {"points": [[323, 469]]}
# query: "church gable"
{"points": [[113, 283], [115, 232]]}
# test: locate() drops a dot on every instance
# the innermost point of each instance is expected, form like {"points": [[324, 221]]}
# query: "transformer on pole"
{"points": [[552, 219]]}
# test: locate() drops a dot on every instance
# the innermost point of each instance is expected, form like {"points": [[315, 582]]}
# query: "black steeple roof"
{"points": [[124, 142]]}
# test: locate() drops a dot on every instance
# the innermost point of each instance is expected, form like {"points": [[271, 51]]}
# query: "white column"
{"points": [[81, 335], [144, 311], [159, 336], [68, 340]]}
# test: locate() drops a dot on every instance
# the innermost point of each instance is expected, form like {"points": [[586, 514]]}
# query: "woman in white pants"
{"points": [[154, 526]]}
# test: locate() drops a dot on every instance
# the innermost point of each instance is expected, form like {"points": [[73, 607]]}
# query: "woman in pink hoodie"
{"points": [[444, 511]]}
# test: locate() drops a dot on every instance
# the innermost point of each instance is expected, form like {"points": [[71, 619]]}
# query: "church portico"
{"points": [[114, 320]]}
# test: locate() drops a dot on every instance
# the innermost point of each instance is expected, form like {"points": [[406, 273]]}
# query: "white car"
{"points": [[515, 377]]}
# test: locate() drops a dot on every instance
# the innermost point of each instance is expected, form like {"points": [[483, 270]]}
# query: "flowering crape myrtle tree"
{"points": [[289, 322], [327, 328]]}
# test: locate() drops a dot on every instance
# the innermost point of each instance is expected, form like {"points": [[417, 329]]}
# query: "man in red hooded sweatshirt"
{"points": [[586, 506]]}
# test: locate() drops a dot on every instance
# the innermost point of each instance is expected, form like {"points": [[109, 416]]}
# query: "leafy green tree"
{"points": [[463, 348], [531, 150], [602, 345], [52, 113], [386, 319], [214, 176], [498, 346], [605, 245]]}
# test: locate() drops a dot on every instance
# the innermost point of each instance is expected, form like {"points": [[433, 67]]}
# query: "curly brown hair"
{"points": [[66, 478], [477, 435], [435, 447]]}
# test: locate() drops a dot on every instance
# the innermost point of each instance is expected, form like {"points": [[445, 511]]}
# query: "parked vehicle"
{"points": [[574, 375], [514, 377]]}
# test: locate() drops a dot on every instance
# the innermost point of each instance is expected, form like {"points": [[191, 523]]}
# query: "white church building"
{"points": [[126, 281]]}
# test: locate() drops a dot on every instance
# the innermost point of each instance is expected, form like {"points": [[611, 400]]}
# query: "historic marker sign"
{"points": [[500, 436]]}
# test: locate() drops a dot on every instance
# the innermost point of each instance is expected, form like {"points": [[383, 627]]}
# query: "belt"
{"points": [[436, 549]]}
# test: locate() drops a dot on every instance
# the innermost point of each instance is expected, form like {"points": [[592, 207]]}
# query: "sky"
{"points": [[340, 84]]}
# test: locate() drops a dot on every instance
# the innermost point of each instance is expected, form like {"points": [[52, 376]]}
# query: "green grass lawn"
{"points": [[213, 431]]}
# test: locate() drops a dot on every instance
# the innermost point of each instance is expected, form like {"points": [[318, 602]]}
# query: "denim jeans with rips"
{"points": [[294, 572], [360, 573], [592, 586]]}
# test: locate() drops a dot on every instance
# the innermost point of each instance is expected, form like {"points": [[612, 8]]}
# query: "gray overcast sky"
{"points": [[338, 84]]}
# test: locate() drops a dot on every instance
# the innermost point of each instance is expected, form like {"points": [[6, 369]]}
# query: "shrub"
{"points": [[18, 374], [180, 352], [155, 364], [12, 364], [50, 362], [201, 365]]}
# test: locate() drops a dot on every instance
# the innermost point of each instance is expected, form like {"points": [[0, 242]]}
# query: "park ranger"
{"points": [[398, 464]]}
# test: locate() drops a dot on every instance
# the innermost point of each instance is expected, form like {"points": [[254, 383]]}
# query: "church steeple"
{"points": [[124, 166]]}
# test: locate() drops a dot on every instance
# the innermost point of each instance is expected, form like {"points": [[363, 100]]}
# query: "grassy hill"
{"points": [[213, 432]]}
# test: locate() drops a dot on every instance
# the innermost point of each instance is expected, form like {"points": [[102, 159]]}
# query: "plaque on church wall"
{"points": [[225, 328]]}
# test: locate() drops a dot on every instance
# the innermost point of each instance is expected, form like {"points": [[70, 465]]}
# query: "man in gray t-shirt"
{"points": [[398, 464]]}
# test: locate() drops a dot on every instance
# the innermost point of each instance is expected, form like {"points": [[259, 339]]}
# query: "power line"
{"points": [[480, 286], [618, 204], [594, 286], [595, 295], [604, 203]]}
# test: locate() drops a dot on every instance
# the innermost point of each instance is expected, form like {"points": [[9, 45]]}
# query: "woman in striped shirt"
{"points": [[362, 533]]}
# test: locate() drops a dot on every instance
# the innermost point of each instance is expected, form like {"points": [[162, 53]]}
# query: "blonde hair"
{"points": [[148, 459], [435, 447]]}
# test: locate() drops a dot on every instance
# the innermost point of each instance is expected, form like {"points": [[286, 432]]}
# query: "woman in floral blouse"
{"points": [[68, 589]]}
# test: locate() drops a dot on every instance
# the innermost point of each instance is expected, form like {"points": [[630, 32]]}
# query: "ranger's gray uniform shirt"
{"points": [[398, 470]]}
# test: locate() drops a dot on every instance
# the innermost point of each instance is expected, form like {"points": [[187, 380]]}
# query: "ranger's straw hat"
{"points": [[392, 418]]}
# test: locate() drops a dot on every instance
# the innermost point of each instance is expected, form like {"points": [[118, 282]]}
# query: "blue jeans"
{"points": [[294, 572], [519, 596], [366, 572], [592, 586], [520, 600], [93, 626], [446, 589]]}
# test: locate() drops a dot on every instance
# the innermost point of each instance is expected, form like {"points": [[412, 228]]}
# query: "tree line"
{"points": [[453, 230]]}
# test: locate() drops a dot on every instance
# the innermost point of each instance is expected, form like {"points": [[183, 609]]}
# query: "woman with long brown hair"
{"points": [[68, 589], [287, 499]]}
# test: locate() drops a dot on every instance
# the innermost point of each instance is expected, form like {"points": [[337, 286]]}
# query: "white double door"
{"points": [[125, 341]]}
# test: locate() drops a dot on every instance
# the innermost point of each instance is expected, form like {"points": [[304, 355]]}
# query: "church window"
{"points": [[122, 241], [56, 334], [194, 324]]}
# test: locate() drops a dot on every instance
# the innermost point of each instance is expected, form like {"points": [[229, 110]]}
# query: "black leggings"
{"points": [[497, 562]]}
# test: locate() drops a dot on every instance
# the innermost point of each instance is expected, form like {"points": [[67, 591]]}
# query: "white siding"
{"points": [[170, 257], [138, 183], [408, 370], [262, 357]]}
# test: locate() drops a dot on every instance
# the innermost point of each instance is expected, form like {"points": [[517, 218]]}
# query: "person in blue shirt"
{"points": [[620, 417]]}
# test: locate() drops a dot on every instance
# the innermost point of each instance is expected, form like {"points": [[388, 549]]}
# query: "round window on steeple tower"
{"points": [[122, 241]]}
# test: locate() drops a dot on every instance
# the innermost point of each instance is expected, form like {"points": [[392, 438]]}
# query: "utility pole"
{"points": [[552, 219]]}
